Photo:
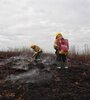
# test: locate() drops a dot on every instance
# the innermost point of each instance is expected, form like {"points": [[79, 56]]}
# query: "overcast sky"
{"points": [[24, 22]]}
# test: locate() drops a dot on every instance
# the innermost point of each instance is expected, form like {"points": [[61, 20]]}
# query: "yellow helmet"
{"points": [[58, 34], [32, 46]]}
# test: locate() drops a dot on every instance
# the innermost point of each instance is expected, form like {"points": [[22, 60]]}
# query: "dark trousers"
{"points": [[38, 55], [61, 60], [61, 57]]}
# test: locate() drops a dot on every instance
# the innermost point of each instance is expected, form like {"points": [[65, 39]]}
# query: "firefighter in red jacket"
{"points": [[61, 50]]}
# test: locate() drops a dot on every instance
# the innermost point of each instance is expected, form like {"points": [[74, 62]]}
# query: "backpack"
{"points": [[63, 45]]}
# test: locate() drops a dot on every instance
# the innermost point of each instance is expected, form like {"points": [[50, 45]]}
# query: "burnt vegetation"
{"points": [[21, 79]]}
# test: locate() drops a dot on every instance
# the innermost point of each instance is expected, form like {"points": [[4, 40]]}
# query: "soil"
{"points": [[55, 84]]}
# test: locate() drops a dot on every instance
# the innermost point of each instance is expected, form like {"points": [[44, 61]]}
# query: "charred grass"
{"points": [[70, 84]]}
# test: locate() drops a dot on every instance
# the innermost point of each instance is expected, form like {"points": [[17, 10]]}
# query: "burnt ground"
{"points": [[38, 84]]}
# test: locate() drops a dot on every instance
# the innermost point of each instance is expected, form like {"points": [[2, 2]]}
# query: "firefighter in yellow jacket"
{"points": [[58, 37], [37, 52], [61, 56]]}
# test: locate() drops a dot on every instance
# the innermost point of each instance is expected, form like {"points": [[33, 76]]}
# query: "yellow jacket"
{"points": [[55, 44], [36, 48]]}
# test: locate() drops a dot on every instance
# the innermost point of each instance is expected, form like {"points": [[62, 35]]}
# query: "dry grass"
{"points": [[15, 52], [84, 57]]}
